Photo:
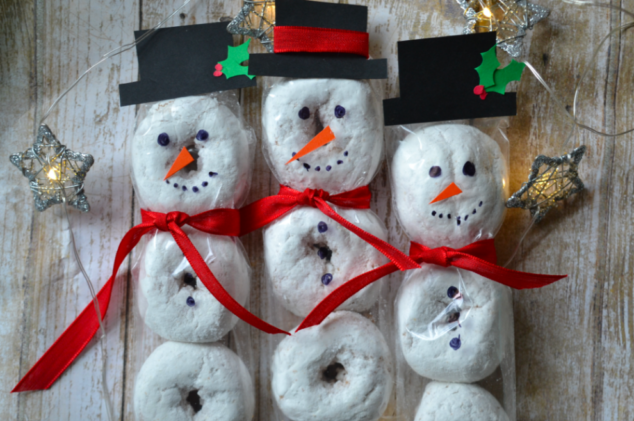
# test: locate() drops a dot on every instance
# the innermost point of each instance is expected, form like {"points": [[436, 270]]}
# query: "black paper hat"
{"points": [[180, 61], [312, 15], [437, 79]]}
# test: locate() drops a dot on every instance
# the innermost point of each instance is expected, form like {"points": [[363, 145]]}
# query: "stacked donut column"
{"points": [[454, 327], [191, 375], [341, 369]]}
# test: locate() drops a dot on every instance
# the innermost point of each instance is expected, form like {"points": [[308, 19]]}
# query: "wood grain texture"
{"points": [[573, 339]]}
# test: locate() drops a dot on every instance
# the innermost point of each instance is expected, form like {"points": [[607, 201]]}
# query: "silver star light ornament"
{"points": [[550, 181], [56, 174], [256, 19], [509, 18]]}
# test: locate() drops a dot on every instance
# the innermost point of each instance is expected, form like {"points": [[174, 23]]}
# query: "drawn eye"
{"points": [[304, 113], [469, 169], [202, 135], [163, 139], [340, 111], [435, 172]]}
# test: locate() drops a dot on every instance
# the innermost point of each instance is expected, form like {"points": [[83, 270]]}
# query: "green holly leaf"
{"points": [[240, 53], [488, 67], [232, 66], [504, 76]]}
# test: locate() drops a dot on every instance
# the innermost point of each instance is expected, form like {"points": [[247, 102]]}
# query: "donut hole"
{"points": [[192, 399], [187, 279], [453, 317], [193, 167], [333, 373], [319, 126], [323, 251]]}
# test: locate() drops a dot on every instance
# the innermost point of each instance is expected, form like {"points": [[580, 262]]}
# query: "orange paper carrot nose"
{"points": [[450, 190], [324, 136], [182, 160]]}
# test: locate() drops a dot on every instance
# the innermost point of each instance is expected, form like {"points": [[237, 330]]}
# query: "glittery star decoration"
{"points": [[55, 173], [256, 19], [510, 18], [550, 180]]}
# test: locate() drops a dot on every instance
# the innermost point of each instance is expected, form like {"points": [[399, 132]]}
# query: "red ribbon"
{"points": [[304, 39], [268, 209], [478, 257], [75, 338]]}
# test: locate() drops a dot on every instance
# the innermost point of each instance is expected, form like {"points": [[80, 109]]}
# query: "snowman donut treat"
{"points": [[323, 137], [454, 315], [449, 190], [183, 382], [340, 370], [190, 167]]}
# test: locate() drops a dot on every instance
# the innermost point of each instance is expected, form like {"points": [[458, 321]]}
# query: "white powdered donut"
{"points": [[340, 370], [458, 402], [429, 160], [219, 177], [175, 303], [296, 110], [308, 255], [187, 382], [459, 339]]}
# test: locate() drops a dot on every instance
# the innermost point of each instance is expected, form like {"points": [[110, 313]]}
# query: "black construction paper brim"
{"points": [[437, 77], [180, 61], [396, 111], [316, 65]]}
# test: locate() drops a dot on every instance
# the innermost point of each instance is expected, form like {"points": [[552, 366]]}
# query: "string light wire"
{"points": [[104, 58], [572, 117], [111, 54]]}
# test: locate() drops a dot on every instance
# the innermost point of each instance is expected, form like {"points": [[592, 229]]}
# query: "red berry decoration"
{"points": [[218, 71], [479, 90]]}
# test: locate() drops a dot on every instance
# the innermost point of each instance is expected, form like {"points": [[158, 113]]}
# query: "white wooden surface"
{"points": [[573, 339]]}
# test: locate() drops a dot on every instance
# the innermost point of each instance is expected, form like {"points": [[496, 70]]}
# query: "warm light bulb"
{"points": [[53, 175], [487, 12]]}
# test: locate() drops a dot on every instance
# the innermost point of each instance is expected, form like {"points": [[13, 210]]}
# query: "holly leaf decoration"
{"points": [[493, 79], [232, 66], [240, 53], [488, 67], [506, 75]]}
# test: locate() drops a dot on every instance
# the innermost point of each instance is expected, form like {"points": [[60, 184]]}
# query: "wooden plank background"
{"points": [[573, 339]]}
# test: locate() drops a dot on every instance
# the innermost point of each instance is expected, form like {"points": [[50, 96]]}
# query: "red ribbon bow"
{"points": [[268, 209], [304, 39], [478, 257], [75, 338]]}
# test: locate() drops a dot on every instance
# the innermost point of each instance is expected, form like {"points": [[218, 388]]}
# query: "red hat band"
{"points": [[304, 39]]}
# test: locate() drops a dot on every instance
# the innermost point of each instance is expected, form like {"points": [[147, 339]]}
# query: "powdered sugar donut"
{"points": [[213, 135], [458, 402], [296, 110], [340, 370], [176, 305], [308, 255], [430, 160], [186, 382], [454, 325]]}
